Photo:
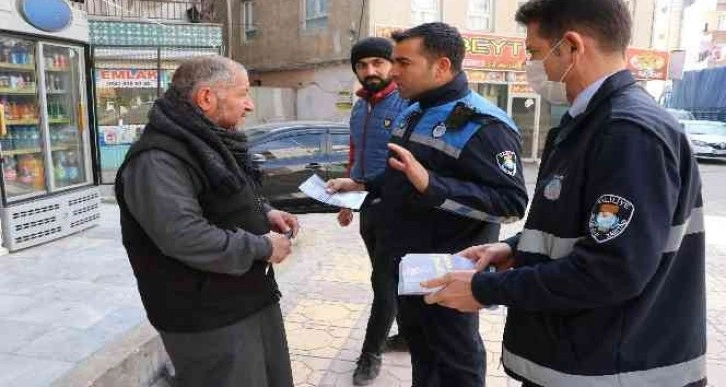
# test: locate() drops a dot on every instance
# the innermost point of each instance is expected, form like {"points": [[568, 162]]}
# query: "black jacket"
{"points": [[470, 192], [205, 267], [609, 286]]}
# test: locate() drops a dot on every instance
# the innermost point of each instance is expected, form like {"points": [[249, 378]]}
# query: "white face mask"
{"points": [[554, 92]]}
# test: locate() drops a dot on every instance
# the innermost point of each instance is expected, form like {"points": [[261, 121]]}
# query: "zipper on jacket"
{"points": [[363, 141]]}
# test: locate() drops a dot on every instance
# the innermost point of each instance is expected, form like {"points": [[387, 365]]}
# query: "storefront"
{"points": [[133, 66]]}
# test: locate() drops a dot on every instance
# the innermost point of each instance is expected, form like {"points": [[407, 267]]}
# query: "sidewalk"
{"points": [[65, 304]]}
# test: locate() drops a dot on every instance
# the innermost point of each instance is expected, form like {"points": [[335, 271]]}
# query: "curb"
{"points": [[137, 359]]}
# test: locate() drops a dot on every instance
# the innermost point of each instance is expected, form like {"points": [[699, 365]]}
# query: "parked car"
{"points": [[288, 153], [681, 114], [708, 138]]}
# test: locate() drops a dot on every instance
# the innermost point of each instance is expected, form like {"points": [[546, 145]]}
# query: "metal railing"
{"points": [[194, 11]]}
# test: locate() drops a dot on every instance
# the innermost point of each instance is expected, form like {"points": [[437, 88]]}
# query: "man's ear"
{"points": [[443, 66], [206, 99]]}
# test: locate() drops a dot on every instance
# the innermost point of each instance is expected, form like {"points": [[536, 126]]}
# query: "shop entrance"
{"points": [[525, 110]]}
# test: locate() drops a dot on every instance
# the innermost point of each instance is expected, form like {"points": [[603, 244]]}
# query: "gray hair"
{"points": [[203, 71]]}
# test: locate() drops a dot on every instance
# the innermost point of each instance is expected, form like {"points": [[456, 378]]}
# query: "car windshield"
{"points": [[714, 128]]}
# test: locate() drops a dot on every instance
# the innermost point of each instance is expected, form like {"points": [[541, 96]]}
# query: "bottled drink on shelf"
{"points": [[59, 169], [57, 83], [25, 176], [13, 111], [7, 52], [10, 171], [72, 170], [34, 137], [38, 172]]}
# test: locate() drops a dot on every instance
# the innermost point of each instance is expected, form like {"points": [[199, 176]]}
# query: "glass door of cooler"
{"points": [[23, 166], [66, 127]]}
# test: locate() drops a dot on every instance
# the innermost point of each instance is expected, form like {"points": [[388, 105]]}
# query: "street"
{"points": [[713, 174], [67, 304]]}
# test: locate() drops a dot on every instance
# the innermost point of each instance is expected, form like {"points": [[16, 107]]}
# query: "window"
{"points": [[248, 20], [721, 25], [291, 146], [425, 11], [480, 15], [340, 143], [316, 14]]}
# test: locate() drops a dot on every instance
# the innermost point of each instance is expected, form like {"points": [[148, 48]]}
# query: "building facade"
{"points": [[305, 45]]}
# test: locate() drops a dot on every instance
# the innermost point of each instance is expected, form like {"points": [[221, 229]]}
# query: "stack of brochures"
{"points": [[417, 268]]}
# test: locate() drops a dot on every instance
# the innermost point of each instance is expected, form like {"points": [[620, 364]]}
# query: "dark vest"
{"points": [[178, 298]]}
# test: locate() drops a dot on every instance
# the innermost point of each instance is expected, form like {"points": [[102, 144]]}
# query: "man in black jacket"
{"points": [[199, 239], [454, 177], [608, 286]]}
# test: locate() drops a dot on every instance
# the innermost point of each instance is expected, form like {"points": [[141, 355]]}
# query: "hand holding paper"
{"points": [[316, 188]]}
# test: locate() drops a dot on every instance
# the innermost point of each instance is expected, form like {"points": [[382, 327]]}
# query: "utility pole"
{"points": [[230, 30]]}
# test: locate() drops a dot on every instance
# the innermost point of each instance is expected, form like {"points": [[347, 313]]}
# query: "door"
{"points": [[287, 160], [65, 118], [525, 110], [23, 166]]}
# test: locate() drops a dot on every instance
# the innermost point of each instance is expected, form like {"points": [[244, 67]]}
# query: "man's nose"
{"points": [[369, 70]]}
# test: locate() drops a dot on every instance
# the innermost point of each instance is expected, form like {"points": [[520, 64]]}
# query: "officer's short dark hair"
{"points": [[440, 40], [607, 21]]}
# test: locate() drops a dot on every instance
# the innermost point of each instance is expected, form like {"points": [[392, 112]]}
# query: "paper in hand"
{"points": [[315, 188]]}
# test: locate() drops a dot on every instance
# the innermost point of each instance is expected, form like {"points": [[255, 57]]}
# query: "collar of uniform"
{"points": [[608, 86], [374, 98], [456, 89], [579, 105]]}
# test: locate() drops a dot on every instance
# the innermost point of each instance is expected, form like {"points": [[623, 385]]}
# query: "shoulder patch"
{"points": [[609, 218], [553, 188], [439, 130], [507, 162]]}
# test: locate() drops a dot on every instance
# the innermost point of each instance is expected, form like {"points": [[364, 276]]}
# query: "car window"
{"points": [[340, 143], [289, 146]]}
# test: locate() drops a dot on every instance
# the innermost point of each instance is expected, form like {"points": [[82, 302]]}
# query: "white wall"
{"points": [[319, 98]]}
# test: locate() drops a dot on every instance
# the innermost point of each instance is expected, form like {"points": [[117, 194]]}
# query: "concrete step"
{"points": [[136, 360]]}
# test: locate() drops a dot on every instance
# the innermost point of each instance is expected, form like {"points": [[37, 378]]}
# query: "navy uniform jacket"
{"points": [[476, 179], [609, 286]]}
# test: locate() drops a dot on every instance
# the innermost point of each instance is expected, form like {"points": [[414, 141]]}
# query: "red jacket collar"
{"points": [[374, 98]]}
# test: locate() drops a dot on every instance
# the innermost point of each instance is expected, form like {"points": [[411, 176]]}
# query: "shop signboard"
{"points": [[648, 65]]}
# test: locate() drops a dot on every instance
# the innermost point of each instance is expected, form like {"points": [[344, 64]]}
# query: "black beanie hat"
{"points": [[371, 48]]}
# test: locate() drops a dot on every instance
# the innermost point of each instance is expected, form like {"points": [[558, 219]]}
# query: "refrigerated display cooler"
{"points": [[48, 178]]}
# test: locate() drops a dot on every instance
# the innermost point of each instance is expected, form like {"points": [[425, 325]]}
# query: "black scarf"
{"points": [[222, 153]]}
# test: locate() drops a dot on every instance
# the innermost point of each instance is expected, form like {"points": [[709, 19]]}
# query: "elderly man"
{"points": [[200, 240]]}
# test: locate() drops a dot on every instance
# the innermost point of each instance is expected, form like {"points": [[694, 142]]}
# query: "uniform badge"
{"points": [[553, 188], [387, 123], [507, 162], [610, 217], [439, 130]]}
